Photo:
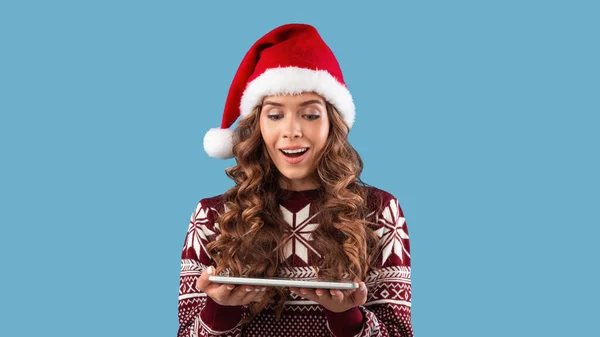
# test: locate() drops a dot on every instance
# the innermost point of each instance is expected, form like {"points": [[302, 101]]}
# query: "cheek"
{"points": [[323, 134], [269, 138], [264, 133]]}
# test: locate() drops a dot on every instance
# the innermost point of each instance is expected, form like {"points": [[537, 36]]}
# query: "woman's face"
{"points": [[294, 129]]}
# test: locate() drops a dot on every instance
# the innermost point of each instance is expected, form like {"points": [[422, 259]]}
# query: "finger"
{"points": [[260, 295], [295, 291], [336, 295], [309, 294], [240, 292], [226, 289], [257, 292], [360, 295], [349, 292], [220, 292], [322, 293], [203, 283]]}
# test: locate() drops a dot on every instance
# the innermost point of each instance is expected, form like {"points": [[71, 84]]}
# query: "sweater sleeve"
{"points": [[199, 315], [387, 311]]}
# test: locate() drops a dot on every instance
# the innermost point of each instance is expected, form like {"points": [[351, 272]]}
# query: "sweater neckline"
{"points": [[310, 194]]}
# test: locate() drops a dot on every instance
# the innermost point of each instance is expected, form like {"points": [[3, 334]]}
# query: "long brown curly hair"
{"points": [[252, 226]]}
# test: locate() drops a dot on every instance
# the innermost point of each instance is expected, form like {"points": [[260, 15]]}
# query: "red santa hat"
{"points": [[290, 59]]}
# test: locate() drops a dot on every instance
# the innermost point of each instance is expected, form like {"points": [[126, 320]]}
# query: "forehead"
{"points": [[294, 99]]}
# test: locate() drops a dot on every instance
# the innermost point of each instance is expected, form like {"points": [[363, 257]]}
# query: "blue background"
{"points": [[481, 117]]}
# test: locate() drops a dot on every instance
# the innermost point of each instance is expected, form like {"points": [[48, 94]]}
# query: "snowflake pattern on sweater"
{"points": [[387, 311]]}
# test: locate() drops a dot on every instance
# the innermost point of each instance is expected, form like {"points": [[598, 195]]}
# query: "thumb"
{"points": [[203, 281], [360, 295]]}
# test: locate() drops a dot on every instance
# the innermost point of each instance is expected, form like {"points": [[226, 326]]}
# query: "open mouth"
{"points": [[294, 153]]}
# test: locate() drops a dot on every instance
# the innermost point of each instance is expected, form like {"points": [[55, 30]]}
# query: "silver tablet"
{"points": [[281, 282]]}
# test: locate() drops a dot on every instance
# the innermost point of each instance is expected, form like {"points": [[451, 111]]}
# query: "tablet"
{"points": [[282, 282]]}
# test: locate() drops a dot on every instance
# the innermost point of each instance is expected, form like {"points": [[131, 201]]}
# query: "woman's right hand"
{"points": [[228, 294]]}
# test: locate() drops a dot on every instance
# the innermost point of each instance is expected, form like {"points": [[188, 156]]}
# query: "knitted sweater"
{"points": [[387, 311]]}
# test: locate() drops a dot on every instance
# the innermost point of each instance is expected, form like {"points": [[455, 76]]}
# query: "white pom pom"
{"points": [[218, 143]]}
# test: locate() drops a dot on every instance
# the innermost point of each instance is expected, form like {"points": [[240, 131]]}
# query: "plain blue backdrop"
{"points": [[481, 117]]}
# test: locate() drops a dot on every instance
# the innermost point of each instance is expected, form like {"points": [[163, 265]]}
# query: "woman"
{"points": [[298, 208]]}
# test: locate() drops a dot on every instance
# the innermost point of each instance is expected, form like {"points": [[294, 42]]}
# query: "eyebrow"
{"points": [[305, 103]]}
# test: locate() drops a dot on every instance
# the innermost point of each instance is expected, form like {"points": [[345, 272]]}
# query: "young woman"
{"points": [[298, 209]]}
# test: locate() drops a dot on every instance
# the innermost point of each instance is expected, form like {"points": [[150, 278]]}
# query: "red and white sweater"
{"points": [[387, 311]]}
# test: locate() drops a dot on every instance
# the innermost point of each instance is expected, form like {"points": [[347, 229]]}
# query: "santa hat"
{"points": [[290, 59]]}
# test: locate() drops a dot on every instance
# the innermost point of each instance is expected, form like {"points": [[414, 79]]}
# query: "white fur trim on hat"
{"points": [[218, 143], [294, 80]]}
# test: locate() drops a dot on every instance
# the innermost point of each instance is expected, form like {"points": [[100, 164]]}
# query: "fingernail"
{"points": [[248, 290], [257, 290], [263, 289], [230, 287], [363, 287], [319, 293], [303, 291], [209, 270]]}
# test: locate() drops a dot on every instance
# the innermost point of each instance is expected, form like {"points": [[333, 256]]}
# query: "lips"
{"points": [[295, 152], [294, 160]]}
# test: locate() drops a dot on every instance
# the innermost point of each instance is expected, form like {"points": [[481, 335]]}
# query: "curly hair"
{"points": [[252, 226]]}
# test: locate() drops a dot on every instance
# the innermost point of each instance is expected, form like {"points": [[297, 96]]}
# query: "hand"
{"points": [[228, 294], [335, 300]]}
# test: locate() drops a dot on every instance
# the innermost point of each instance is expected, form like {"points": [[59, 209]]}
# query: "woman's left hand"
{"points": [[335, 300]]}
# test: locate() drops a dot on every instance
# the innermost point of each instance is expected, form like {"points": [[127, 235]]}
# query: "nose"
{"points": [[293, 129]]}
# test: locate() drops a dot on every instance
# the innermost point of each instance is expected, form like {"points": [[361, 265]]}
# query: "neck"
{"points": [[298, 184]]}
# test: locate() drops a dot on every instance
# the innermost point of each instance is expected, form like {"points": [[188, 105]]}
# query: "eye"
{"points": [[274, 117], [312, 117]]}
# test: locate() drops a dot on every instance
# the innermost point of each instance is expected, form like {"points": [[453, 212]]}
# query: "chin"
{"points": [[297, 174], [294, 175]]}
